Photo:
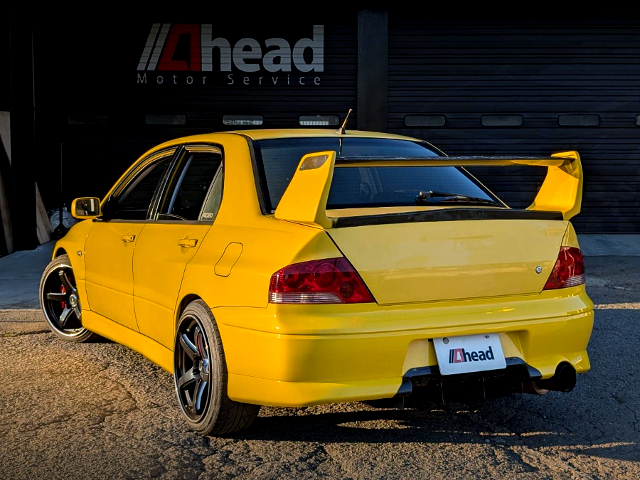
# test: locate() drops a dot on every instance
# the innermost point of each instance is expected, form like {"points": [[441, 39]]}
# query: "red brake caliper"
{"points": [[199, 345], [62, 302]]}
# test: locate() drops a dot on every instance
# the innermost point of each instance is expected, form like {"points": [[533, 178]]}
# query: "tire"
{"points": [[60, 302], [200, 376]]}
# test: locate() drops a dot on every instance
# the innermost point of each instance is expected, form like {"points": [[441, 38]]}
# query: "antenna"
{"points": [[344, 123]]}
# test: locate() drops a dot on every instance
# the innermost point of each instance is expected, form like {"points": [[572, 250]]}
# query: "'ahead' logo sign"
{"points": [[469, 353], [247, 54], [460, 355]]}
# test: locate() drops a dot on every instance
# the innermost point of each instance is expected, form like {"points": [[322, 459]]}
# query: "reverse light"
{"points": [[568, 270], [331, 280]]}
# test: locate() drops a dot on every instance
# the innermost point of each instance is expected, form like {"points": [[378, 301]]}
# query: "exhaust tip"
{"points": [[564, 380], [566, 377]]}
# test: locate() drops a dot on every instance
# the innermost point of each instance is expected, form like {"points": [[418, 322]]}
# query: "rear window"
{"points": [[361, 186]]}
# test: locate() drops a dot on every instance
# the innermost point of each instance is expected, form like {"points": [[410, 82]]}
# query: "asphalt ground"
{"points": [[100, 410]]}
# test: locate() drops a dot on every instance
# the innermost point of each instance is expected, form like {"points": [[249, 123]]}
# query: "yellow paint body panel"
{"points": [[228, 259], [108, 255], [427, 261], [296, 355], [361, 352], [158, 266]]}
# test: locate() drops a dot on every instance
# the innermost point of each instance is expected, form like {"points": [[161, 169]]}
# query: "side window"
{"points": [[196, 189], [134, 201]]}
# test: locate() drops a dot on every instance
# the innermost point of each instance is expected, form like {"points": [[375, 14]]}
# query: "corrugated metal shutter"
{"points": [[538, 70]]}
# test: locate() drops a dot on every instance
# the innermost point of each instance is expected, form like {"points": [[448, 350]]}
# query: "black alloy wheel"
{"points": [[192, 368], [60, 301], [201, 377]]}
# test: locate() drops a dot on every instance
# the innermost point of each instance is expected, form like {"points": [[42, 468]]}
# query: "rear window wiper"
{"points": [[431, 197]]}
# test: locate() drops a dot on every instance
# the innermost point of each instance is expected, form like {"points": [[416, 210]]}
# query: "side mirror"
{"points": [[85, 207]]}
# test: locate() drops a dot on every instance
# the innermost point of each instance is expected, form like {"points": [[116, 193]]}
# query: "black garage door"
{"points": [[527, 87], [124, 86]]}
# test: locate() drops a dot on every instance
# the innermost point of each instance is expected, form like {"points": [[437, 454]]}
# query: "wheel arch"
{"points": [[186, 300]]}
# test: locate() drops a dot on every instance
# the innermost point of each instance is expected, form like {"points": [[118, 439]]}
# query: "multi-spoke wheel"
{"points": [[193, 368], [200, 375], [60, 302]]}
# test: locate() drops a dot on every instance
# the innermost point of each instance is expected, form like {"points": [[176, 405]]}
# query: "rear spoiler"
{"points": [[305, 199]]}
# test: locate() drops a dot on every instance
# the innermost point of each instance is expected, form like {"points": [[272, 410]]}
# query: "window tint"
{"points": [[133, 203], [191, 184], [279, 158], [388, 186]]}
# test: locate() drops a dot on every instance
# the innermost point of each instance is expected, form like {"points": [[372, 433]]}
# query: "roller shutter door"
{"points": [[534, 87]]}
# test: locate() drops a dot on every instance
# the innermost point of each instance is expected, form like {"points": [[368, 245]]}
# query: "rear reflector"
{"points": [[568, 270], [331, 280]]}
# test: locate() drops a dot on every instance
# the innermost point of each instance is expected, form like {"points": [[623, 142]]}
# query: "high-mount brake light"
{"points": [[568, 270], [331, 280]]}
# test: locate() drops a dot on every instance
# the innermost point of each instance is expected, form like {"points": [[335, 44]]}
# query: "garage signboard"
{"points": [[192, 54]]}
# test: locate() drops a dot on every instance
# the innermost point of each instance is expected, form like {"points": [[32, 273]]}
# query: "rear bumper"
{"points": [[292, 355]]}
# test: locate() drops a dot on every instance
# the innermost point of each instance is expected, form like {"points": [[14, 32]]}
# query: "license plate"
{"points": [[469, 353]]}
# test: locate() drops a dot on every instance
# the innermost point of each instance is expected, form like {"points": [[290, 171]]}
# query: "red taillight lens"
{"points": [[332, 280], [568, 270]]}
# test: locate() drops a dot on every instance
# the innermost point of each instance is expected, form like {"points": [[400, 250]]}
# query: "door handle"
{"points": [[128, 238], [188, 242]]}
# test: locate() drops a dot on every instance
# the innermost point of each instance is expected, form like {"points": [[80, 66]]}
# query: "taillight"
{"points": [[568, 270], [331, 280]]}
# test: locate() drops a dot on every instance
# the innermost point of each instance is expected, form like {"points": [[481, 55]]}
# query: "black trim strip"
{"points": [[163, 184], [258, 176], [446, 215], [344, 160]]}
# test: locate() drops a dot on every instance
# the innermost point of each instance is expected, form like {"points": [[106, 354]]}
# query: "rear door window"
{"points": [[195, 189]]}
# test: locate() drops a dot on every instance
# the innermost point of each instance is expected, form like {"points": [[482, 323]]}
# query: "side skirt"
{"points": [[157, 353]]}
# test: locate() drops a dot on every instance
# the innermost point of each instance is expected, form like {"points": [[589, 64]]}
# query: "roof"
{"points": [[263, 134]]}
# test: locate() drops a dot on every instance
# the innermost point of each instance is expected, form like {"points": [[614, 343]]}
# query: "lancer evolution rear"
{"points": [[442, 268]]}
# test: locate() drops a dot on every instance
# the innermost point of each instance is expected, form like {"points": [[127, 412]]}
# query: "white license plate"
{"points": [[469, 353]]}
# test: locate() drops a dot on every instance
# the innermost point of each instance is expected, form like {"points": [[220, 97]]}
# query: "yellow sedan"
{"points": [[299, 267]]}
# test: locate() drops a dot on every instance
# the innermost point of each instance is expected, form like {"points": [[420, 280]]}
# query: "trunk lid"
{"points": [[426, 253], [447, 260]]}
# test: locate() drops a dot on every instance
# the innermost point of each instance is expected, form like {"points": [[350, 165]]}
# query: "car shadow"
{"points": [[627, 451], [507, 421]]}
